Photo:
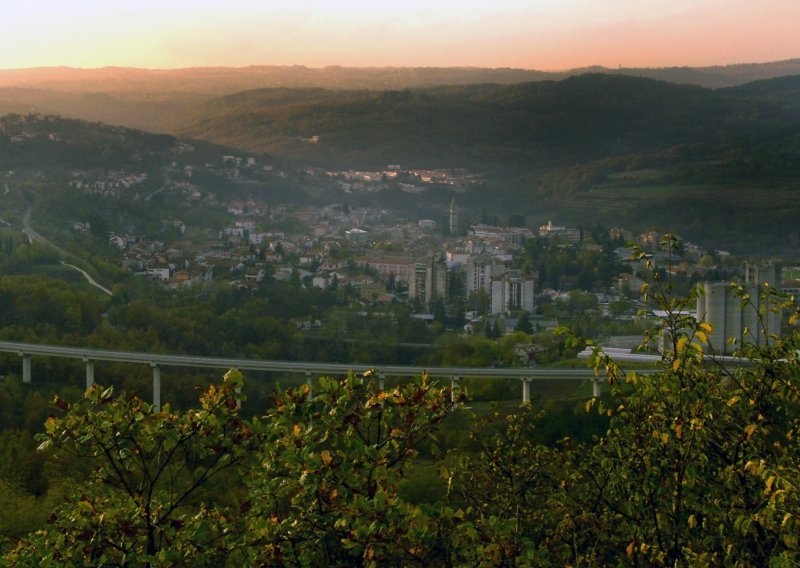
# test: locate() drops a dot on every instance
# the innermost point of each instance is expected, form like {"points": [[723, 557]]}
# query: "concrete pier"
{"points": [[89, 373], [526, 390], [26, 368], [156, 387]]}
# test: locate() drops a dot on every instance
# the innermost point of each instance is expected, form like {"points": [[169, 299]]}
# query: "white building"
{"points": [[356, 235], [566, 234], [160, 271], [480, 271], [513, 291]]}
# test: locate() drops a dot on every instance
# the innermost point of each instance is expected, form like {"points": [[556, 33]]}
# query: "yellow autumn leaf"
{"points": [[705, 326], [681, 344], [749, 429], [768, 484], [327, 457], [296, 430], [676, 365], [701, 337], [629, 549], [692, 521], [733, 400]]}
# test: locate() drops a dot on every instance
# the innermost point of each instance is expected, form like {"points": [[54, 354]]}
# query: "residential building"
{"points": [[513, 291], [356, 235], [565, 234], [429, 281], [480, 269]]}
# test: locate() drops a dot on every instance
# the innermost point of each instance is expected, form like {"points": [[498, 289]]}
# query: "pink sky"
{"points": [[534, 34]]}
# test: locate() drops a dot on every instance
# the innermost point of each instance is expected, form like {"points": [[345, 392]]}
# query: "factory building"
{"points": [[733, 324]]}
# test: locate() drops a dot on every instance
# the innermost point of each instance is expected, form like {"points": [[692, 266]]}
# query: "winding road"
{"points": [[33, 235], [89, 279]]}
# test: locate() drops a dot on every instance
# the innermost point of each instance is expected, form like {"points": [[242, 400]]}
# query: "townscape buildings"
{"points": [[438, 259]]}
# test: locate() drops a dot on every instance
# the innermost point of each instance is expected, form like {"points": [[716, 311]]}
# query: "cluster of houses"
{"points": [[106, 183], [413, 180], [367, 249]]}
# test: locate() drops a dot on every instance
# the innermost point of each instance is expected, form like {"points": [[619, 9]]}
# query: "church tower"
{"points": [[453, 218]]}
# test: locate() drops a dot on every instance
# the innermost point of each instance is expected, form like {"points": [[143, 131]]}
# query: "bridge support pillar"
{"points": [[381, 383], [156, 387], [596, 388], [453, 386], [526, 390], [26, 368], [89, 373], [310, 383]]}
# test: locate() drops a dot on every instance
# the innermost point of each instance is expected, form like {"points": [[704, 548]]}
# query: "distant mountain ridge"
{"points": [[227, 80]]}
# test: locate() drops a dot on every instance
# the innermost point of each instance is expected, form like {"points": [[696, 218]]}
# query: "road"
{"points": [[35, 236], [89, 279], [5, 192], [160, 359]]}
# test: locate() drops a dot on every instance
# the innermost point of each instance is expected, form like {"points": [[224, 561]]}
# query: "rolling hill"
{"points": [[530, 127], [590, 148], [157, 99]]}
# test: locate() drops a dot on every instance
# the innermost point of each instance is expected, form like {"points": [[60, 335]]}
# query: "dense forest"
{"points": [[525, 127]]}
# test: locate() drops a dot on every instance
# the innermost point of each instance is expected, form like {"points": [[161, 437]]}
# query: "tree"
{"points": [[509, 497], [524, 323], [695, 467], [439, 313], [619, 307], [326, 491], [142, 502]]}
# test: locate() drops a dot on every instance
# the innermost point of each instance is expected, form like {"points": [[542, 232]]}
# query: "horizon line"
{"points": [[377, 67]]}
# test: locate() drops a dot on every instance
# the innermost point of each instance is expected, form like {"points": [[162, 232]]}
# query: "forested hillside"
{"points": [[527, 127]]}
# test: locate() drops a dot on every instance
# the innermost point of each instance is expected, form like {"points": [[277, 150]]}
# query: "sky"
{"points": [[530, 34]]}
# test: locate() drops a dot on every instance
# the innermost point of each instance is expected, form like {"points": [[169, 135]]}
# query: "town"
{"points": [[470, 277], [187, 216]]}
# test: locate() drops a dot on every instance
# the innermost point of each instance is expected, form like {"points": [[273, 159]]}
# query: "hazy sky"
{"points": [[534, 34]]}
